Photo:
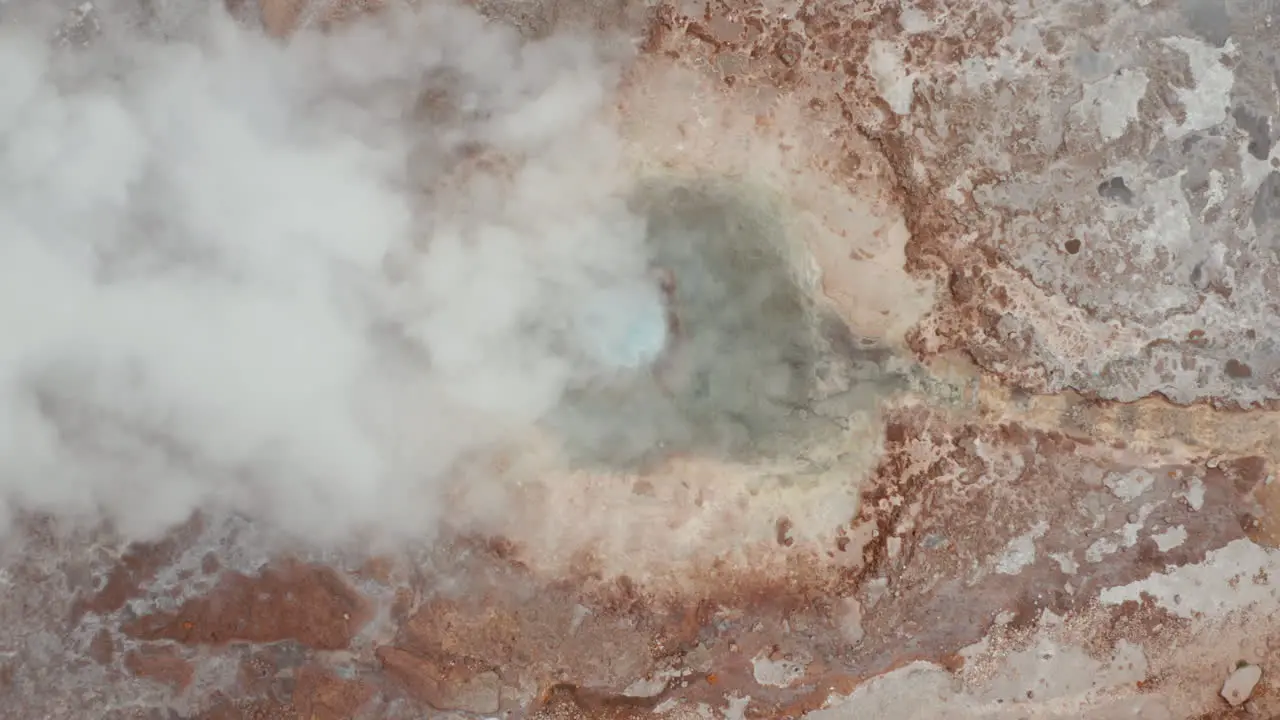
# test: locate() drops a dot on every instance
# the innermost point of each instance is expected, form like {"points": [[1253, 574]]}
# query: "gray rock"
{"points": [[1239, 685]]}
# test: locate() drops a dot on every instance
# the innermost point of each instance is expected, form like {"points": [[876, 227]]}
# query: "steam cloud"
{"points": [[297, 279]]}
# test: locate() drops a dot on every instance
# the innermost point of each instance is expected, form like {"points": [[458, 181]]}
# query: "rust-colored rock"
{"points": [[227, 708], [160, 663], [320, 695], [137, 567], [102, 648], [281, 17], [555, 635], [567, 701], [379, 569], [311, 605], [935, 521], [443, 686]]}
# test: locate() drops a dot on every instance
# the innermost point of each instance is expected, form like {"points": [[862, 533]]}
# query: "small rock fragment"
{"points": [[1239, 685]]}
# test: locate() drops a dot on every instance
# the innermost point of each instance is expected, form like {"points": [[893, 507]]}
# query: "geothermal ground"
{"points": [[960, 399]]}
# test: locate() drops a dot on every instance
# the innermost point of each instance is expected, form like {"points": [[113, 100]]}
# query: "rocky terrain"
{"points": [[995, 292]]}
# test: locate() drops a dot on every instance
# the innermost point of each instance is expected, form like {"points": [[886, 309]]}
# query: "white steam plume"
{"points": [[296, 279]]}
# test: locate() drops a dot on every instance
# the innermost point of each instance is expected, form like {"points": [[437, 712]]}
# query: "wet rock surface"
{"points": [[1089, 197]]}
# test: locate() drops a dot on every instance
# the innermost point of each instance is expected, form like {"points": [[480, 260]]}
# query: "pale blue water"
{"points": [[626, 327]]}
